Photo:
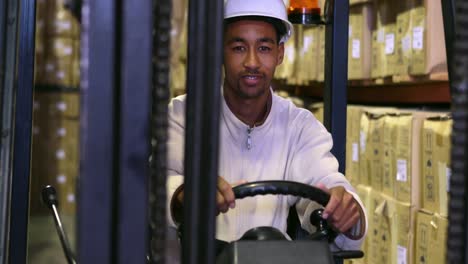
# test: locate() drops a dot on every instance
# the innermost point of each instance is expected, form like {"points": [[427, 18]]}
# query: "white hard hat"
{"points": [[266, 8]]}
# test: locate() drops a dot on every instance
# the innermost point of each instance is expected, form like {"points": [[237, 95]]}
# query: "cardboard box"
{"points": [[287, 68], [352, 143], [405, 184], [375, 149], [61, 58], [376, 62], [436, 147], [57, 104], [364, 150], [431, 238], [61, 22], [58, 72], [403, 233], [388, 50], [389, 148], [364, 193], [55, 161], [386, 14], [310, 54], [321, 52], [375, 232], [380, 215], [361, 24], [428, 42], [404, 43], [408, 157], [76, 66]]}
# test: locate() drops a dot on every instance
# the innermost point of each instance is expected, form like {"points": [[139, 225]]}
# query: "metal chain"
{"points": [[456, 242], [162, 10]]}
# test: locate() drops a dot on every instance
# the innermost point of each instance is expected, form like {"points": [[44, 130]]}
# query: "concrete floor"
{"points": [[44, 244], [43, 241]]}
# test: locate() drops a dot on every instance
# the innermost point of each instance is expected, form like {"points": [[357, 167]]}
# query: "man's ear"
{"points": [[280, 53]]}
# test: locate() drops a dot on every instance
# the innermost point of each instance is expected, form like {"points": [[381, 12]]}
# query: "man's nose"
{"points": [[251, 60]]}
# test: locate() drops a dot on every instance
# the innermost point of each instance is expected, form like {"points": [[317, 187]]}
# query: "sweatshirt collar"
{"points": [[236, 126]]}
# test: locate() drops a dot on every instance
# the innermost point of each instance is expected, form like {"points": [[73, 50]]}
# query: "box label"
{"points": [[389, 43], [356, 49], [355, 152], [402, 170], [418, 38], [401, 255], [406, 43]]}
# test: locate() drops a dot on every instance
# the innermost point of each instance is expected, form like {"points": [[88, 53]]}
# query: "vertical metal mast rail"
{"points": [[24, 83], [162, 10], [457, 234], [8, 50], [96, 184], [336, 75], [115, 130], [202, 129]]}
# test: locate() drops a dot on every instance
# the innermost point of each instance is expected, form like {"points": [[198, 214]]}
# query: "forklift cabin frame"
{"points": [[116, 124]]}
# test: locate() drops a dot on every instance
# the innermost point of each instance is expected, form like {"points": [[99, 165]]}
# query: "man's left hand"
{"points": [[342, 211]]}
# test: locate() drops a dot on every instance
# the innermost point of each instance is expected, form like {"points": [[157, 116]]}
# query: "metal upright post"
{"points": [[115, 141], [202, 129], [24, 69], [134, 129], [336, 76], [98, 138]]}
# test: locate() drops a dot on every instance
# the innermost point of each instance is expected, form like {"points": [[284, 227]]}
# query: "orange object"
{"points": [[305, 7], [304, 12]]}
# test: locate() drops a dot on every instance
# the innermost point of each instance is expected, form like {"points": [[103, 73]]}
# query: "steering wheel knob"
{"points": [[317, 220]]}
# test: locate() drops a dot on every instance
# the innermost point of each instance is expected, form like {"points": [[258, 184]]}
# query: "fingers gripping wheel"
{"points": [[281, 187]]}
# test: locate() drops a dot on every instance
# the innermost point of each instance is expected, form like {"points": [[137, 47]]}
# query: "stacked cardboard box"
{"points": [[435, 164], [431, 238], [428, 45], [57, 42], [308, 55], [55, 149], [352, 143], [361, 25], [392, 155]]}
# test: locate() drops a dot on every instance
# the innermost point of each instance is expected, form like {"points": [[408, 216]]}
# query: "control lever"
{"points": [[49, 197], [325, 232]]}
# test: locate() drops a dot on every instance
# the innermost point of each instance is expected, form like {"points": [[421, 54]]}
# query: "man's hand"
{"points": [[225, 199], [224, 196], [342, 211]]}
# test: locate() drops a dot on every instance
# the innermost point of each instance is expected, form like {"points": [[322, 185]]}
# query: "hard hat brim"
{"points": [[287, 24]]}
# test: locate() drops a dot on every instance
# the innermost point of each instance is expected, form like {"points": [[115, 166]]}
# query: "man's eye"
{"points": [[238, 48], [264, 48]]}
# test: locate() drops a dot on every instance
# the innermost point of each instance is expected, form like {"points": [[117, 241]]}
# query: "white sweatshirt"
{"points": [[290, 145]]}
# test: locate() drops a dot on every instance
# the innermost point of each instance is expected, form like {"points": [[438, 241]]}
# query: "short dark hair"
{"points": [[279, 26]]}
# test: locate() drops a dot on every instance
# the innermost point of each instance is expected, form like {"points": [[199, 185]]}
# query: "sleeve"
{"points": [[175, 157], [312, 163]]}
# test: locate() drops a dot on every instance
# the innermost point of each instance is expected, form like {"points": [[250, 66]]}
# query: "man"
{"points": [[264, 137]]}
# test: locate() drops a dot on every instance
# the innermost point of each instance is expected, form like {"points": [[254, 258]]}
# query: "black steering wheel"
{"points": [[276, 187], [324, 231], [281, 187]]}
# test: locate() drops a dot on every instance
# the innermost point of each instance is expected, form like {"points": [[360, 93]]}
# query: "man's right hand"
{"points": [[225, 198]]}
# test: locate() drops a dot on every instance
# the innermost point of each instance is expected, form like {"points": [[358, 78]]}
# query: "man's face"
{"points": [[251, 54]]}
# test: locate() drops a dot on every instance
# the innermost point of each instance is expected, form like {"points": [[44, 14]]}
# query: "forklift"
{"points": [[125, 91]]}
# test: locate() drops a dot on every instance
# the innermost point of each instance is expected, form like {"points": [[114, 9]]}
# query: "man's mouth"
{"points": [[251, 80]]}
